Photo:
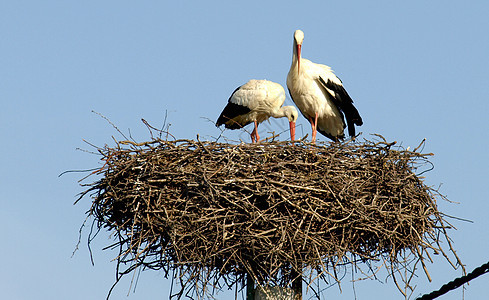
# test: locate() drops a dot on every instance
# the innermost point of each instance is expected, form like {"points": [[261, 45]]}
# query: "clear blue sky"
{"points": [[416, 69]]}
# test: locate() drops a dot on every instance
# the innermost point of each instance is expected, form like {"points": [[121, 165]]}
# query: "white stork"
{"points": [[256, 101], [320, 96]]}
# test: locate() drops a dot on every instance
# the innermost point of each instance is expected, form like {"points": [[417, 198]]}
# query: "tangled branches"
{"points": [[209, 213]]}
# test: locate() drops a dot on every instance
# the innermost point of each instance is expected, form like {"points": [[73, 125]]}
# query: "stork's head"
{"points": [[299, 36], [292, 115], [298, 39]]}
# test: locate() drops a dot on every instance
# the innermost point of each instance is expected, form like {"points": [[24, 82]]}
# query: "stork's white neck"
{"points": [[294, 54], [298, 39], [296, 50], [290, 112], [278, 113]]}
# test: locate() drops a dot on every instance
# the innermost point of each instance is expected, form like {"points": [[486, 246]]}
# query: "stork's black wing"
{"points": [[343, 102], [231, 111]]}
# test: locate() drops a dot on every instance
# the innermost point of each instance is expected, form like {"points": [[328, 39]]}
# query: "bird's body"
{"points": [[320, 96], [255, 102]]}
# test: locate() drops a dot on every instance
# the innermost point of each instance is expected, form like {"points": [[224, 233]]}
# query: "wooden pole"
{"points": [[297, 285], [274, 293], [250, 287], [278, 293]]}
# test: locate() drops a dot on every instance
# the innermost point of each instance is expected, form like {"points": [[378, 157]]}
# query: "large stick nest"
{"points": [[208, 212]]}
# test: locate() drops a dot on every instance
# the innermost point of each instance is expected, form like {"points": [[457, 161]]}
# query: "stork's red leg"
{"points": [[314, 127], [255, 138]]}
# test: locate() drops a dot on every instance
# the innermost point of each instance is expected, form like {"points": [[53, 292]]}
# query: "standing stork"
{"points": [[320, 96], [256, 101]]}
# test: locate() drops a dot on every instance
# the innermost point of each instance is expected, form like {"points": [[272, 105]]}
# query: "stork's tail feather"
{"points": [[351, 128], [352, 118]]}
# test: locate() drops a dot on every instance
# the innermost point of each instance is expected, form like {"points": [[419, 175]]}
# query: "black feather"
{"points": [[344, 103], [231, 111]]}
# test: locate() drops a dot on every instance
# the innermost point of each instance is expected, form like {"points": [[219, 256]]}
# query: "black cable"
{"points": [[457, 282]]}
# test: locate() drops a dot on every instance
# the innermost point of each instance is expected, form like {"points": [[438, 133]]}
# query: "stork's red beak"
{"points": [[299, 58], [292, 131]]}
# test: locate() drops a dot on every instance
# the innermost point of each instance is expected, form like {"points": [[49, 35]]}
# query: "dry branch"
{"points": [[208, 212]]}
